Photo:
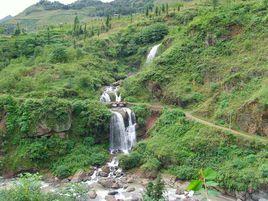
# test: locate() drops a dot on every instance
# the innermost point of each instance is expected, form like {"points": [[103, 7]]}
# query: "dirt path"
{"points": [[192, 117], [235, 132]]}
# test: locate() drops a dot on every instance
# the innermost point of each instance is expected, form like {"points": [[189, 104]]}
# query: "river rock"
{"points": [[112, 192], [79, 176], [103, 174], [130, 180], [110, 198], [106, 182], [130, 189], [105, 169], [179, 191], [92, 194], [115, 186], [135, 198]]}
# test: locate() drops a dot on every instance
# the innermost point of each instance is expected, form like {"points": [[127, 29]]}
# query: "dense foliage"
{"points": [[182, 148], [216, 65], [212, 60]]}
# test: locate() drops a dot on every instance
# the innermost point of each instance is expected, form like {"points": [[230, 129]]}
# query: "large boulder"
{"points": [[80, 176], [44, 127], [252, 117], [92, 194], [110, 183]]}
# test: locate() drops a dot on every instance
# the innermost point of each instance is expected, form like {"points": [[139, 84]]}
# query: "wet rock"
{"points": [[106, 182], [112, 192], [179, 191], [105, 169], [103, 174], [135, 199], [150, 174], [65, 180], [130, 189], [92, 194], [115, 186], [110, 198], [79, 176], [130, 180], [259, 196]]}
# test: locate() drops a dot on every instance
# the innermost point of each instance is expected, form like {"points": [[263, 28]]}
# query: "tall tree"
{"points": [[163, 8], [215, 3], [108, 22], [167, 8], [17, 30], [48, 34], [156, 11], [147, 11], [76, 28]]}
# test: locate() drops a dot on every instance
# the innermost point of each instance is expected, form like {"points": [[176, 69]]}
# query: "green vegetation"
{"points": [[214, 64], [205, 182], [28, 188], [155, 191], [182, 147], [212, 61]]}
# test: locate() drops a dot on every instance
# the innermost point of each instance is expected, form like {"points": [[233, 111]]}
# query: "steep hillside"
{"points": [[213, 63], [54, 13], [211, 69]]}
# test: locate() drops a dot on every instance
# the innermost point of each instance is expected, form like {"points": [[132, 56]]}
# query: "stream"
{"points": [[110, 182]]}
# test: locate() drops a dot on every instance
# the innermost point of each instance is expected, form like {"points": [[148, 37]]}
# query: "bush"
{"points": [[152, 33], [155, 191], [28, 188], [130, 161], [59, 55]]}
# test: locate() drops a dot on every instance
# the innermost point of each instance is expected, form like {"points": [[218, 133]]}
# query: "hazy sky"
{"points": [[14, 7]]}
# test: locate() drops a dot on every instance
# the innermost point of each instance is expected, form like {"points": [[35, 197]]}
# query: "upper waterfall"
{"points": [[110, 94], [152, 53]]}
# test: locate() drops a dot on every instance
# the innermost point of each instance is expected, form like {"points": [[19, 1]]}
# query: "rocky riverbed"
{"points": [[110, 183]]}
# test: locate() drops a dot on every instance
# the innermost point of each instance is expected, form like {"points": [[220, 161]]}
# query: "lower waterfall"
{"points": [[122, 124], [122, 130]]}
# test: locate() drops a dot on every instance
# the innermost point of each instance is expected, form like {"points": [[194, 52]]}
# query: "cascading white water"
{"points": [[110, 94], [131, 129], [152, 53], [122, 135]]}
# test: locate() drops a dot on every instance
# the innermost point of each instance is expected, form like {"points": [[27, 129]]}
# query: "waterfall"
{"points": [[152, 53], [110, 94], [131, 129], [118, 135], [122, 134]]}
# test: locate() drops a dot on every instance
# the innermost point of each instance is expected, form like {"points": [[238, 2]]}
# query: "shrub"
{"points": [[59, 55], [27, 188], [155, 191], [153, 33], [130, 161]]}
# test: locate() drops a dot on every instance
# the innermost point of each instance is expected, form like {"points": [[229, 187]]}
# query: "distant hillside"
{"points": [[52, 13], [5, 18]]}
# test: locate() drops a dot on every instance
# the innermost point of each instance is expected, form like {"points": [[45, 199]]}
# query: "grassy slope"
{"points": [[181, 148], [212, 62], [213, 79], [49, 93]]}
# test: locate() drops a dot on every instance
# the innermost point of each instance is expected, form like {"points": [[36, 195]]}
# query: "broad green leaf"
{"points": [[210, 174], [211, 183], [195, 185]]}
